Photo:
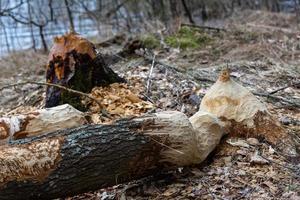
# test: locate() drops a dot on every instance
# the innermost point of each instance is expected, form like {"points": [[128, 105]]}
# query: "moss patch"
{"points": [[150, 41], [188, 38]]}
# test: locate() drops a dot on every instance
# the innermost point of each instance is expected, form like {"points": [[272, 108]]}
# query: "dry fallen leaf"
{"points": [[253, 141], [237, 142], [257, 159]]}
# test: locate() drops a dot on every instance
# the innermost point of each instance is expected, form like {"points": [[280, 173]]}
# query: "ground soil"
{"points": [[263, 52]]}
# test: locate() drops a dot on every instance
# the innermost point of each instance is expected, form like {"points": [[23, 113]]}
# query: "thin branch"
{"points": [[148, 58], [150, 73], [277, 98], [293, 170], [115, 10], [283, 88], [53, 85], [204, 27], [12, 8], [162, 144], [208, 186]]}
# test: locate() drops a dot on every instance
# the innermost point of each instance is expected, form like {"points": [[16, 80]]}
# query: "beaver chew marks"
{"points": [[29, 161], [243, 114], [73, 63]]}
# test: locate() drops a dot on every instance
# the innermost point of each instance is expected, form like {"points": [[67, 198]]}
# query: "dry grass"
{"points": [[22, 63]]}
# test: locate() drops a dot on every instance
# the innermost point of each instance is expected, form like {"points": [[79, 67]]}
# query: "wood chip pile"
{"points": [[117, 100]]}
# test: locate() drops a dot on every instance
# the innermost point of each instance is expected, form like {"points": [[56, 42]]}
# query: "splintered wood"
{"points": [[39, 121], [72, 161], [29, 162], [73, 63], [68, 58], [243, 114], [117, 100]]}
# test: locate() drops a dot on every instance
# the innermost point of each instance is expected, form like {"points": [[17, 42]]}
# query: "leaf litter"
{"points": [[239, 168]]}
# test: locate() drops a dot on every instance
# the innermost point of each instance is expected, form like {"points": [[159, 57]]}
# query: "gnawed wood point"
{"points": [[74, 63]]}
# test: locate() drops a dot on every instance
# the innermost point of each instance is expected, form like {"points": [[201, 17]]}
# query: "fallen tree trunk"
{"points": [[73, 161]]}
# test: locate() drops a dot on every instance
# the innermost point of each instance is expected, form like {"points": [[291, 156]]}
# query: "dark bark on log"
{"points": [[90, 157], [73, 161]]}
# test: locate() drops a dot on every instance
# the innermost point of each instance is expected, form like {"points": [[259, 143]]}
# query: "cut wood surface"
{"points": [[72, 161], [40, 121], [73, 63], [243, 114]]}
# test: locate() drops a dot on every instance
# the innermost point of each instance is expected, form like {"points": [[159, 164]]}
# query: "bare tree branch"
{"points": [[53, 85]]}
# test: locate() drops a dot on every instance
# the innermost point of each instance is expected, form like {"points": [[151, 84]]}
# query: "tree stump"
{"points": [[74, 63]]}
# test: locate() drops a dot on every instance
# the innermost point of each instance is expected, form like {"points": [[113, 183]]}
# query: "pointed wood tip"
{"points": [[224, 75]]}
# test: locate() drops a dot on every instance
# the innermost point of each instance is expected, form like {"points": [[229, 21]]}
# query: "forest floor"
{"points": [[263, 52]]}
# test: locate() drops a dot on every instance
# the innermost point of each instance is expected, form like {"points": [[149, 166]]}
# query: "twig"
{"points": [[162, 144], [150, 73], [208, 186], [204, 27], [293, 170], [249, 185], [197, 77], [148, 98], [282, 88], [54, 85], [277, 98], [148, 58]]}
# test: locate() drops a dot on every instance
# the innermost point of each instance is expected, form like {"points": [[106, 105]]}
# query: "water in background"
{"points": [[16, 36]]}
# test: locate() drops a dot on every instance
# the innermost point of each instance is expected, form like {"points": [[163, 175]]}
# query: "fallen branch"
{"points": [[150, 73], [150, 59], [277, 98], [54, 85], [283, 88], [204, 27]]}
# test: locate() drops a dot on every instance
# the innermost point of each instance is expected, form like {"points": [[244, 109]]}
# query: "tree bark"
{"points": [[44, 43], [73, 161]]}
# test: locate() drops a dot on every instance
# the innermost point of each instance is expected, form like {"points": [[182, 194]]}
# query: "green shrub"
{"points": [[150, 41], [188, 38]]}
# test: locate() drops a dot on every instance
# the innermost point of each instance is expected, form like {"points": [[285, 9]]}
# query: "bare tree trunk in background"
{"points": [[188, 12], [117, 24], [99, 5], [6, 37], [128, 19], [31, 28], [72, 28], [297, 10], [51, 10], [44, 43], [175, 22], [204, 14], [161, 10], [11, 33], [93, 16], [275, 6]]}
